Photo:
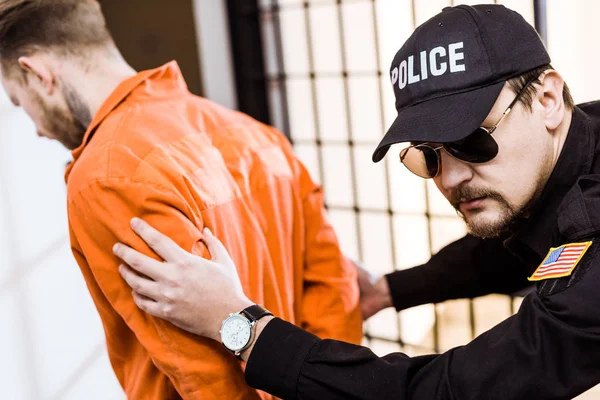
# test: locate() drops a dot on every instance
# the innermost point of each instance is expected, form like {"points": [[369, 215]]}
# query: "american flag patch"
{"points": [[560, 261]]}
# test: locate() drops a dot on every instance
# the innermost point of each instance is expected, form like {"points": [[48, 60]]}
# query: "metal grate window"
{"points": [[326, 77], [327, 80]]}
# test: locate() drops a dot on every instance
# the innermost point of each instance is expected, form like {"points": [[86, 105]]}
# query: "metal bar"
{"points": [[276, 9], [388, 190], [511, 307], [540, 17], [352, 160], [340, 207], [436, 324], [325, 74], [472, 318], [317, 4], [334, 142], [313, 92], [247, 50], [413, 10], [401, 343]]}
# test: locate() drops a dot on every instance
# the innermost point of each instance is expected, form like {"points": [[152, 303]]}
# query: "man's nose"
{"points": [[453, 172]]}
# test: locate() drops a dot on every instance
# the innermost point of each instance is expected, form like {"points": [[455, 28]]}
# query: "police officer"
{"points": [[492, 123]]}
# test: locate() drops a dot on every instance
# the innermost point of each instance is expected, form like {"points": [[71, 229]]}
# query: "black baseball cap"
{"points": [[449, 73]]}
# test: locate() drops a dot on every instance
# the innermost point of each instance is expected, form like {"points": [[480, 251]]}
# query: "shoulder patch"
{"points": [[560, 261]]}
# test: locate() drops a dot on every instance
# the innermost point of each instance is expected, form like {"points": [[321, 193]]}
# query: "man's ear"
{"points": [[550, 97], [38, 70]]}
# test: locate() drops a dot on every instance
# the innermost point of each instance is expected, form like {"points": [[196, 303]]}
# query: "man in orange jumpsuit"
{"points": [[144, 146]]}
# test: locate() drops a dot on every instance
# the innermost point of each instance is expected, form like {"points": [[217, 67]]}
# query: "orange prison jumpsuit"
{"points": [[180, 162]]}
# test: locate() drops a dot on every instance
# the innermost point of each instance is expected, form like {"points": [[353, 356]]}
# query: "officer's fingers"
{"points": [[218, 252], [166, 248], [140, 262], [140, 284], [147, 305]]}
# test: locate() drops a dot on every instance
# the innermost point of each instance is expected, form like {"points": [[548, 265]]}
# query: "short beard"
{"points": [[509, 213], [69, 131], [69, 126], [79, 110]]}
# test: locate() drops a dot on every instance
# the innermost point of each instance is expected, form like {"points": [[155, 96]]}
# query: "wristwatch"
{"points": [[237, 330]]}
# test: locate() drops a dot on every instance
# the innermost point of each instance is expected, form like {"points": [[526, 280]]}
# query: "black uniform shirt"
{"points": [[550, 349]]}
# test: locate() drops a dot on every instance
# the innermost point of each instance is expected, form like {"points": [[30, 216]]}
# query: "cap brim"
{"points": [[441, 120]]}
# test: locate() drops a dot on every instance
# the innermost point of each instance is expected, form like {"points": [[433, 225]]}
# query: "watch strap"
{"points": [[255, 312]]}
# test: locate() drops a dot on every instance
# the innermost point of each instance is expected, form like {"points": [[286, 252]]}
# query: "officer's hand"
{"points": [[189, 291], [374, 292]]}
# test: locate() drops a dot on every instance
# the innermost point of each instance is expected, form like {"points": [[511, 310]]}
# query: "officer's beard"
{"points": [[491, 221]]}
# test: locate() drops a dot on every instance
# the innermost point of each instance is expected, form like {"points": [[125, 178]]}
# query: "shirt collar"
{"points": [[168, 73]]}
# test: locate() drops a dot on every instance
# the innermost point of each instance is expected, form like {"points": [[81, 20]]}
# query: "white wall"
{"points": [[51, 339], [573, 32], [216, 62]]}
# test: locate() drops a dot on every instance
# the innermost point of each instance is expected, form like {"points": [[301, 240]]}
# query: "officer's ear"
{"points": [[550, 98]]}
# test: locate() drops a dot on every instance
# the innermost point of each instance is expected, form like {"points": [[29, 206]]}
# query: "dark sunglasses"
{"points": [[424, 160]]}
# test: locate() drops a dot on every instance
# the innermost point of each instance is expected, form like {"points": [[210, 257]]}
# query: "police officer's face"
{"points": [[491, 195]]}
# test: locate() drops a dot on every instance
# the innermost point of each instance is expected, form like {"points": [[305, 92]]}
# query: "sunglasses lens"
{"points": [[478, 147], [421, 160]]}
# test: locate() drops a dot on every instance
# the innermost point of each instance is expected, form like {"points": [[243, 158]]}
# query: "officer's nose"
{"points": [[453, 172]]}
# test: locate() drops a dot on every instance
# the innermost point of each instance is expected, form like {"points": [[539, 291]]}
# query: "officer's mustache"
{"points": [[469, 193]]}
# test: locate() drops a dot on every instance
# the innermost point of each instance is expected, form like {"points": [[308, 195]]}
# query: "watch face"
{"points": [[235, 332]]}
